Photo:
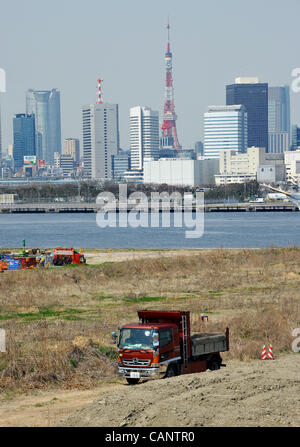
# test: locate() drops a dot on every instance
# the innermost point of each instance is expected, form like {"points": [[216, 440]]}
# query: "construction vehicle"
{"points": [[14, 261], [3, 266], [161, 345], [65, 256], [26, 261]]}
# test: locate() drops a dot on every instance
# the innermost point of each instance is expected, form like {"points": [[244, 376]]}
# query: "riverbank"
{"points": [[58, 321]]}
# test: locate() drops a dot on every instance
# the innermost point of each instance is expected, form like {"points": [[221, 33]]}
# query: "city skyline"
{"points": [[199, 77]]}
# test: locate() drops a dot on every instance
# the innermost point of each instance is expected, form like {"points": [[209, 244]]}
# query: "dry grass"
{"points": [[59, 321]]}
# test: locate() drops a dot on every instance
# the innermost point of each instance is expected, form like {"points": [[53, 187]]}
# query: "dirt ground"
{"points": [[99, 257], [256, 393], [46, 408]]}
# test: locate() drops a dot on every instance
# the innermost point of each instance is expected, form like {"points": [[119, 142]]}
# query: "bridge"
{"points": [[81, 207]]}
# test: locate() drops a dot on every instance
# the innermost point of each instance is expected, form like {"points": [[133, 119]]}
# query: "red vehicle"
{"points": [[3, 266], [161, 345], [28, 262], [65, 256]]}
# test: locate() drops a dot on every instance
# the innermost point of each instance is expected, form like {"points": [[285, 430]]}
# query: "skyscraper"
{"points": [[71, 147], [0, 138], [45, 105], [144, 135], [24, 138], [279, 119], [295, 137], [279, 109], [254, 96], [225, 128], [100, 138]]}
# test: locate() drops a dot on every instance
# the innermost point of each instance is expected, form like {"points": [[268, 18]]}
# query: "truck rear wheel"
{"points": [[132, 381], [214, 364], [172, 371]]}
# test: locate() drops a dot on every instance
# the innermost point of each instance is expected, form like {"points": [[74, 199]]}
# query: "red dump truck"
{"points": [[65, 256], [161, 345]]}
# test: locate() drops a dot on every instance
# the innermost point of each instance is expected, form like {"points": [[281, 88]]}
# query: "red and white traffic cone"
{"points": [[270, 353], [263, 353]]}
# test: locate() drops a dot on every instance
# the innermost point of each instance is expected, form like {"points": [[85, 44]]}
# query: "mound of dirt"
{"points": [[256, 393]]}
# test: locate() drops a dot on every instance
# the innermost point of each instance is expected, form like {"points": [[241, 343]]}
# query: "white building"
{"points": [[8, 199], [225, 128], [256, 164], [65, 162], [292, 165], [271, 173], [0, 136], [100, 139], [234, 163], [180, 171], [144, 136]]}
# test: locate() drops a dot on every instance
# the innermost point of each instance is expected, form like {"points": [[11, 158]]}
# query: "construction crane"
{"points": [[293, 196]]}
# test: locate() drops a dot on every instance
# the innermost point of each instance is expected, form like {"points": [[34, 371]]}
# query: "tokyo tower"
{"points": [[169, 137]]}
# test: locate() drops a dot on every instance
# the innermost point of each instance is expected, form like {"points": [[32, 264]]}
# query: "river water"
{"points": [[232, 230]]}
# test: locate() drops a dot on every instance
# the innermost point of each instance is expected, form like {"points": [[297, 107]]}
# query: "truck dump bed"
{"points": [[208, 343]]}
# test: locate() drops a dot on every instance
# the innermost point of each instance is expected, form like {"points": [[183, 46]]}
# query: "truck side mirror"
{"points": [[114, 337], [155, 339]]}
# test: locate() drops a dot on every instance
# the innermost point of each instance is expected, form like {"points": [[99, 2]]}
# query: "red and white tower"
{"points": [[99, 96], [168, 129]]}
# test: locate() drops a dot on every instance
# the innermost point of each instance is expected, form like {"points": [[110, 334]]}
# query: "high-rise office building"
{"points": [[100, 138], [0, 137], [24, 138], [144, 135], [295, 137], [71, 147], [279, 119], [279, 109], [120, 164], [254, 96], [225, 128], [45, 105], [278, 142]]}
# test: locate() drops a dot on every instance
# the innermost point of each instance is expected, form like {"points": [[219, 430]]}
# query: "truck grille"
{"points": [[135, 362]]}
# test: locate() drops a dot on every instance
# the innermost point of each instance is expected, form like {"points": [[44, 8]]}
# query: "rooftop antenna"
{"points": [[100, 99]]}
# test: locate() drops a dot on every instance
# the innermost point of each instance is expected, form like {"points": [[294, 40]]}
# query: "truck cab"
{"points": [[145, 351]]}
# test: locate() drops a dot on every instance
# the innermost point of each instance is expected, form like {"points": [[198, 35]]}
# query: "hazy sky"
{"points": [[68, 44]]}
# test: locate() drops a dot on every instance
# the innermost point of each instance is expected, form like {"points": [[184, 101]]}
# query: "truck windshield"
{"points": [[136, 338]]}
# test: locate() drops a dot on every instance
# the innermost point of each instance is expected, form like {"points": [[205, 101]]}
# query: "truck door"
{"points": [[168, 344]]}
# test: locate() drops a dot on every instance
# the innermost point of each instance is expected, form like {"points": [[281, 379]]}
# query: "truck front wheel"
{"points": [[132, 381]]}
